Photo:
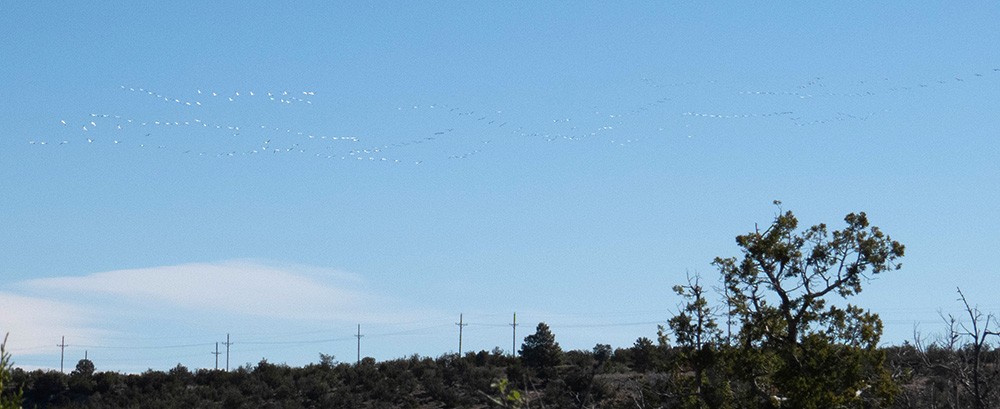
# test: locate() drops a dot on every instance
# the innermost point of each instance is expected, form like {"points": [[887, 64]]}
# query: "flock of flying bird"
{"points": [[468, 131]]}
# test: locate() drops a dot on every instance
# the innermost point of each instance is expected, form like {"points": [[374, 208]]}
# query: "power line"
{"points": [[407, 331], [462, 324], [146, 347], [305, 342], [177, 350], [480, 324], [606, 325]]}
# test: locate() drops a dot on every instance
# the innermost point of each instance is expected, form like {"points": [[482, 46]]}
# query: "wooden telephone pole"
{"points": [[62, 353], [216, 353], [227, 344], [513, 342], [359, 343], [460, 326]]}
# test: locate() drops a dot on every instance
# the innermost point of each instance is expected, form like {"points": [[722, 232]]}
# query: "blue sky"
{"points": [[569, 161]]}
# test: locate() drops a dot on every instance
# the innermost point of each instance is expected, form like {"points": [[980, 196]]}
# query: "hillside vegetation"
{"points": [[783, 336]]}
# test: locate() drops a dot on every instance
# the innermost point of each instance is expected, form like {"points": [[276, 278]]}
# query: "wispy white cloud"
{"points": [[236, 287], [36, 325], [154, 317]]}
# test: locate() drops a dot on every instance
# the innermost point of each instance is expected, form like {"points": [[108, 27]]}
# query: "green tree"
{"points": [[644, 356], [81, 380], [8, 400], [694, 326], [697, 336], [84, 367], [796, 350], [540, 350], [602, 354]]}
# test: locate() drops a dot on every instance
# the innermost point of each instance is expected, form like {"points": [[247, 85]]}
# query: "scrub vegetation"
{"points": [[778, 332]]}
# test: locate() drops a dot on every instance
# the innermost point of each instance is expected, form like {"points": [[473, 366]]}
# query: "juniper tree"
{"points": [[8, 399], [797, 347], [540, 350]]}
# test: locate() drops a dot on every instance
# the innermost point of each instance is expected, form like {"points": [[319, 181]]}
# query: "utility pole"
{"points": [[227, 344], [62, 353], [216, 353], [359, 343], [513, 342], [729, 317], [460, 326]]}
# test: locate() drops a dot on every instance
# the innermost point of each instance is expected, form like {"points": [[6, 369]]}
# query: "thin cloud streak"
{"points": [[142, 309], [238, 287], [36, 324]]}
